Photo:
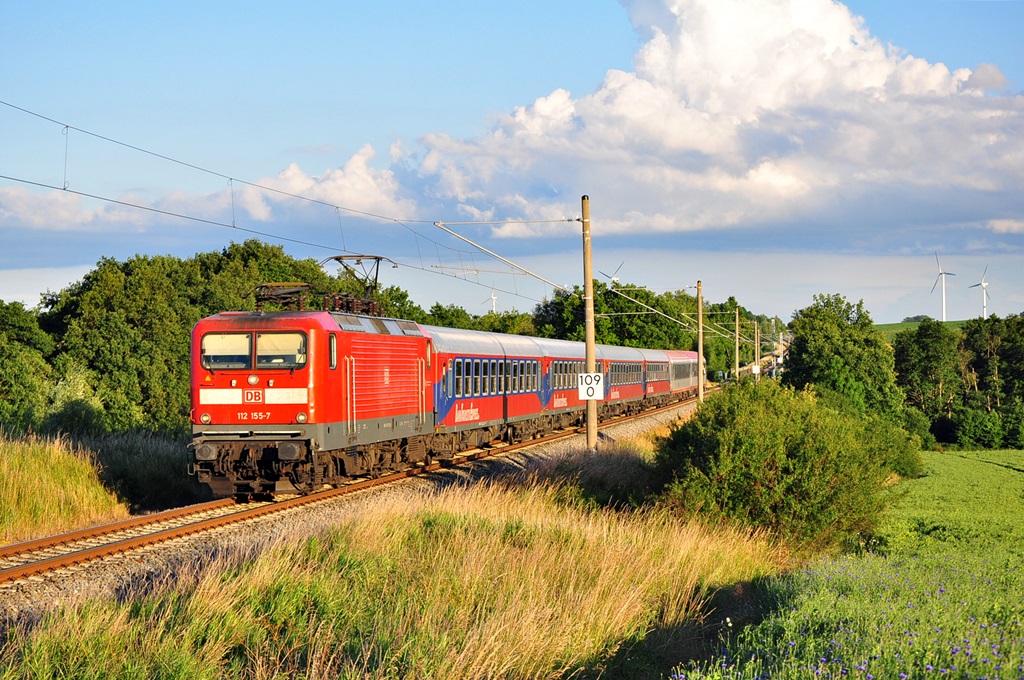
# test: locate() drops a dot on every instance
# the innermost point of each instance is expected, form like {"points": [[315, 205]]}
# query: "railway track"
{"points": [[36, 558]]}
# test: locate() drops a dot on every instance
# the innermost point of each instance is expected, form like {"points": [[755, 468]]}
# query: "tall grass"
{"points": [[48, 486], [147, 471], [482, 582]]}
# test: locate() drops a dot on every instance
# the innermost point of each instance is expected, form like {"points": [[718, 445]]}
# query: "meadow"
{"points": [[533, 578], [936, 592], [520, 579], [889, 330]]}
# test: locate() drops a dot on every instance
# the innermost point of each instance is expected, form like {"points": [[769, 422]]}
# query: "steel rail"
{"points": [[123, 545]]}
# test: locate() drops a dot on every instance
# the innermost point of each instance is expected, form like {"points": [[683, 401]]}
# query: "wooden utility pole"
{"points": [[757, 350], [588, 306], [736, 362], [700, 343]]}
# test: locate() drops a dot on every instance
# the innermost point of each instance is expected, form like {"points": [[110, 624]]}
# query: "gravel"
{"points": [[124, 577]]}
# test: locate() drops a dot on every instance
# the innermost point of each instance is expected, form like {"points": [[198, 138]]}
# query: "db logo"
{"points": [[252, 396]]}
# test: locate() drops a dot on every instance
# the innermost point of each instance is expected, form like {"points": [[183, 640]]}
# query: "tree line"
{"points": [[110, 353], [947, 385]]}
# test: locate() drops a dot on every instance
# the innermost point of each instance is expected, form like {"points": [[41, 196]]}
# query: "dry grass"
{"points": [[49, 486], [484, 582]]}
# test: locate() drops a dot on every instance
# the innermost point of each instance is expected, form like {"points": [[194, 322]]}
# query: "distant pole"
{"points": [[588, 306], [757, 350], [700, 342], [775, 347], [736, 362]]}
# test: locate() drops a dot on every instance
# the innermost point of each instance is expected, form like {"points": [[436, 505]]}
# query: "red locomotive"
{"points": [[309, 398]]}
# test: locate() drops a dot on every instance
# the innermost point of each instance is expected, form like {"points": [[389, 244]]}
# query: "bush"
{"points": [[977, 428], [768, 456], [897, 448], [916, 423], [1013, 424]]}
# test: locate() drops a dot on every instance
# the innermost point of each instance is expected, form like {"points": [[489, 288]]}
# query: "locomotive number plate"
{"points": [[253, 415]]}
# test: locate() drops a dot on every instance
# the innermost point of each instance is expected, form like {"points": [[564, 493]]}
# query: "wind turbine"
{"points": [[942, 275], [984, 293], [614, 276], [494, 301]]}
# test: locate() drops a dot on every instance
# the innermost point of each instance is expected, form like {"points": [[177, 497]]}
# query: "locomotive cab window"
{"points": [[220, 351], [280, 350]]}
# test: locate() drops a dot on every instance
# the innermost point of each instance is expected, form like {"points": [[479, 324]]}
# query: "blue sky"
{"points": [[773, 149]]}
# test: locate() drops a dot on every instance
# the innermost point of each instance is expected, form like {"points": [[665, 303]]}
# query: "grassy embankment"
{"points": [[513, 579], [49, 486], [938, 593], [52, 485]]}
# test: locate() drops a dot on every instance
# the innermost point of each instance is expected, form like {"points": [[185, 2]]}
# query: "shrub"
{"points": [[768, 456], [897, 448], [916, 423], [1013, 424], [978, 428]]}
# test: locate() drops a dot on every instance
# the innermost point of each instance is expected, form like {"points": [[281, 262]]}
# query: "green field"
{"points": [[889, 330], [938, 592]]}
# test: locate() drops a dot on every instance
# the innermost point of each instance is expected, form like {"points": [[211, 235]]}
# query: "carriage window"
{"points": [[280, 350], [458, 377], [467, 388], [515, 377], [226, 350], [501, 376], [476, 377]]}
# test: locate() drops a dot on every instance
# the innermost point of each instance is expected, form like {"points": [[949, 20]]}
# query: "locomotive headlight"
{"points": [[301, 417], [253, 379], [205, 419]]}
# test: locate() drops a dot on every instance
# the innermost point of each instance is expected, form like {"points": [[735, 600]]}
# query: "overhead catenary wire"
{"points": [[231, 180]]}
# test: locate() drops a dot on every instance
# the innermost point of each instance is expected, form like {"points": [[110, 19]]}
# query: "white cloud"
{"points": [[1006, 226], [747, 111], [986, 77], [358, 186]]}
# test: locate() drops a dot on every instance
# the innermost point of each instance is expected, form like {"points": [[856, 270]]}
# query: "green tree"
{"points": [[836, 346], [450, 316], [1012, 352], [24, 372], [126, 326], [767, 456], [24, 384], [512, 322], [983, 380], [396, 303], [926, 362], [22, 326]]}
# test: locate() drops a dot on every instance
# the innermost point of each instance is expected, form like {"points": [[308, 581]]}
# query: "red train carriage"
{"points": [[273, 392], [312, 398]]}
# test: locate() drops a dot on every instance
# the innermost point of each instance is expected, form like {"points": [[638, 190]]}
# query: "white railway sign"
{"points": [[590, 386]]}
